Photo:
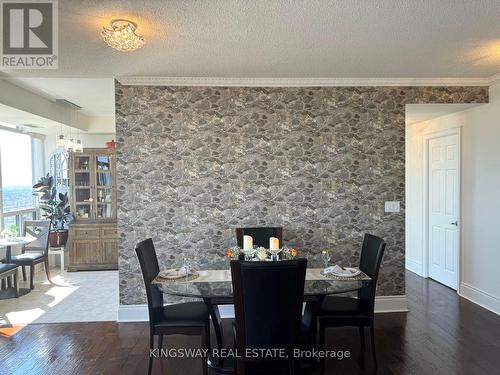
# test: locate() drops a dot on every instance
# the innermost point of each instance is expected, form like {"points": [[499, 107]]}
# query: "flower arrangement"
{"points": [[233, 252], [261, 253], [290, 252]]}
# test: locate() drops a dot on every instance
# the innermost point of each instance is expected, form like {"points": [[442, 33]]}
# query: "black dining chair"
{"points": [[190, 318], [268, 300], [260, 235], [339, 311], [35, 252], [8, 271]]}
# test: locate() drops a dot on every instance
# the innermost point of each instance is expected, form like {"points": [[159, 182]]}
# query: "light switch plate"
{"points": [[392, 206]]}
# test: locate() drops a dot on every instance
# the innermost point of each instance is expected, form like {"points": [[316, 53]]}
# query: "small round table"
{"points": [[216, 293], [8, 243]]}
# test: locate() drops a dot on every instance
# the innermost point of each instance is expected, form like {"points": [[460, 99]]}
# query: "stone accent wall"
{"points": [[196, 162]]}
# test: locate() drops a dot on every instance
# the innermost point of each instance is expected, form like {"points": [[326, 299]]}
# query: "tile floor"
{"points": [[72, 297]]}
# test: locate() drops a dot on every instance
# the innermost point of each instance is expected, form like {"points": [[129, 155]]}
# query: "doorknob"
{"points": [[455, 223]]}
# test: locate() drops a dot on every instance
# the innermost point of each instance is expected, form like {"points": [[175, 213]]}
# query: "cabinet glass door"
{"points": [[104, 187], [83, 187]]}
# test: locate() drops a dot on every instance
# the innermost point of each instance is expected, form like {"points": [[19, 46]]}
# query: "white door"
{"points": [[443, 190]]}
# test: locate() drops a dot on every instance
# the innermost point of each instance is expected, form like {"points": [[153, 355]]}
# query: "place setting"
{"points": [[184, 273], [337, 272]]}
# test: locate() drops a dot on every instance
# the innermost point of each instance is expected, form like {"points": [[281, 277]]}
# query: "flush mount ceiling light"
{"points": [[121, 36]]}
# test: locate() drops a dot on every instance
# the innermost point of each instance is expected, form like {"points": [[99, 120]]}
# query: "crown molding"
{"points": [[299, 82]]}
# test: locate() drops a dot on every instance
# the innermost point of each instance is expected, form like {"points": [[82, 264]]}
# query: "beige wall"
{"points": [[480, 201]]}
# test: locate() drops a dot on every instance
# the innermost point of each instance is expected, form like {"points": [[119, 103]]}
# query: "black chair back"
{"points": [[370, 260], [268, 303], [40, 229], [260, 235], [149, 266]]}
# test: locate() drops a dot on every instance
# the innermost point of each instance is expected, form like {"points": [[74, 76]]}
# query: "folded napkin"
{"points": [[176, 273], [339, 271]]}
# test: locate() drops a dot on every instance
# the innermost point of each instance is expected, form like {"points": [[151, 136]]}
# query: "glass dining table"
{"points": [[215, 288]]}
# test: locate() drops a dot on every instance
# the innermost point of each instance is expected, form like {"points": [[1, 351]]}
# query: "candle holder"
{"points": [[249, 254], [275, 254]]}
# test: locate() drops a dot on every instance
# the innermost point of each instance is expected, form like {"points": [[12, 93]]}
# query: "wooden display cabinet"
{"points": [[92, 235]]}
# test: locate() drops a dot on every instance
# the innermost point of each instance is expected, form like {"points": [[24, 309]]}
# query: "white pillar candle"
{"points": [[274, 243], [247, 243]]}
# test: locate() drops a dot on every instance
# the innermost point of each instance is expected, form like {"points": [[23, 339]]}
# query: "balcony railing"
{"points": [[18, 217]]}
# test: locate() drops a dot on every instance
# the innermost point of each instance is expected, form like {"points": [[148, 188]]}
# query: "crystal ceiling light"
{"points": [[121, 36]]}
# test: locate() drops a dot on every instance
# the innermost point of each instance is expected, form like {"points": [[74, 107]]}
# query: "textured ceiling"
{"points": [[264, 38]]}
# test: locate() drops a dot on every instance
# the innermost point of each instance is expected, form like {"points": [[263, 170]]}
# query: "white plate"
{"points": [[175, 273], [347, 272]]}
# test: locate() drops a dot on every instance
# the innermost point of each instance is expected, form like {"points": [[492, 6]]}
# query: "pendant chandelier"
{"points": [[69, 143]]}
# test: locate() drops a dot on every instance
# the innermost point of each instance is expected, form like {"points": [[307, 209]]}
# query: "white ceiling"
{"points": [[294, 38], [34, 123], [96, 96], [424, 112]]}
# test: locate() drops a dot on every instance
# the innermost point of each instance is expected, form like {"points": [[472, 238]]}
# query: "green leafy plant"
{"points": [[54, 205]]}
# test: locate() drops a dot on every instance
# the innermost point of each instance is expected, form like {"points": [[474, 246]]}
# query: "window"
{"points": [[18, 154]]}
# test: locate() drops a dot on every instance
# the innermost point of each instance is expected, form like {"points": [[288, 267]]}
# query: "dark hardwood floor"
{"points": [[441, 334]]}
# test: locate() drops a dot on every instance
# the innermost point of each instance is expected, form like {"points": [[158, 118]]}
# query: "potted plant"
{"points": [[55, 207]]}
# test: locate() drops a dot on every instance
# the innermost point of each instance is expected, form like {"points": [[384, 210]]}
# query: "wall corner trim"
{"points": [[494, 79], [139, 313], [480, 297]]}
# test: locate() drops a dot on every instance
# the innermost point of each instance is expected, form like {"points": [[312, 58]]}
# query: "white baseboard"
{"points": [[480, 297], [414, 267], [139, 313], [388, 304], [133, 313]]}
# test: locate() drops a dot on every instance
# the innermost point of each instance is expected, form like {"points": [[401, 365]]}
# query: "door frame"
{"points": [[427, 136]]}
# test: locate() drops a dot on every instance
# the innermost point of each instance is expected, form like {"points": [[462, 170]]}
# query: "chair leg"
{"points": [[62, 261], [322, 332], [151, 346], [160, 342], [240, 366], [293, 366], [32, 276], [372, 334], [205, 343], [47, 271], [24, 273], [362, 338], [16, 285], [361, 360]]}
